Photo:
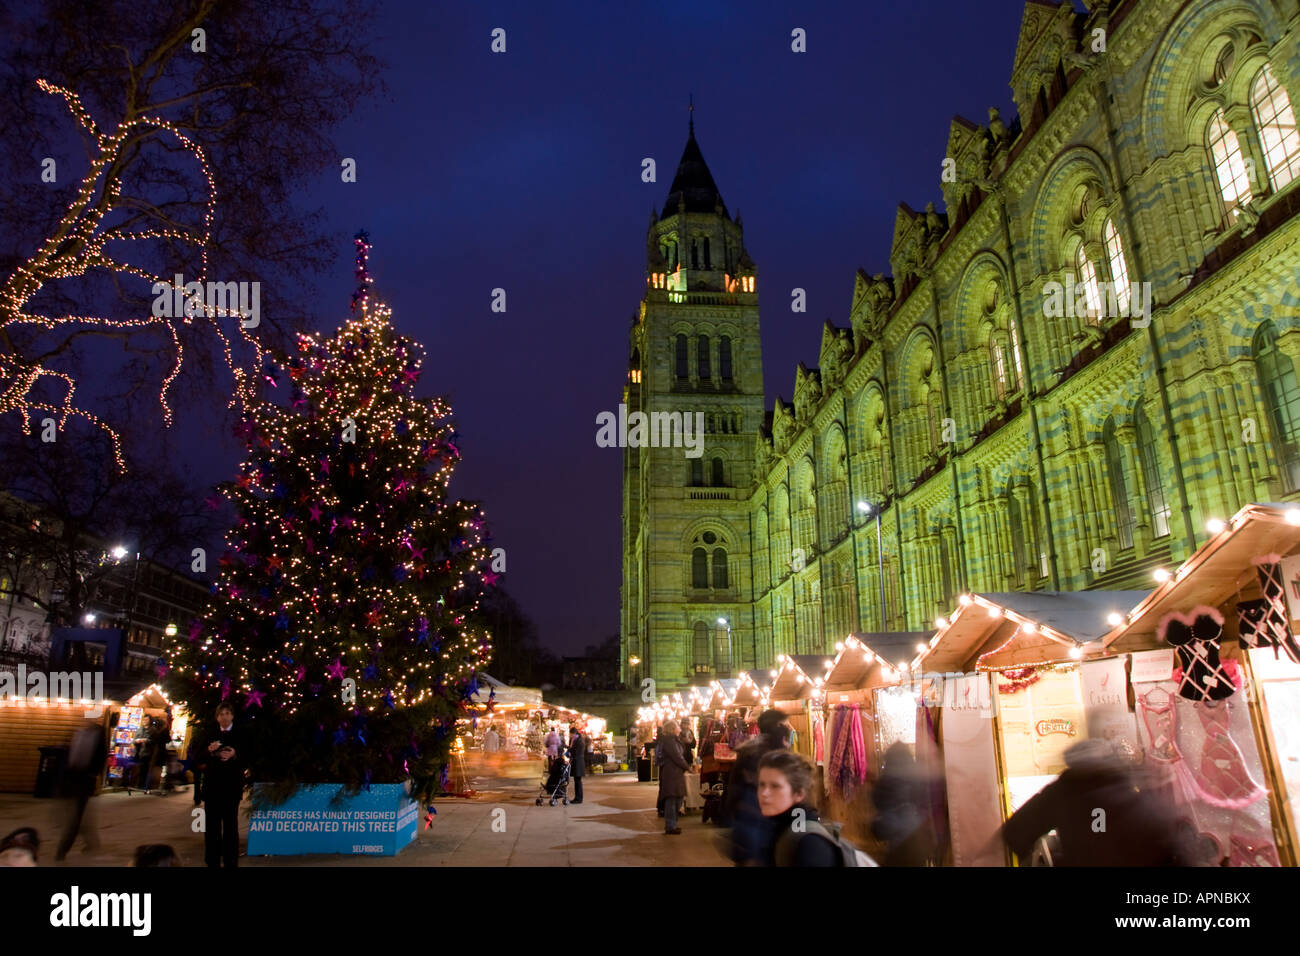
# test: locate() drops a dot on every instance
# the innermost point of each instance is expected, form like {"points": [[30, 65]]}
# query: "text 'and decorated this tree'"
{"points": [[344, 625]]}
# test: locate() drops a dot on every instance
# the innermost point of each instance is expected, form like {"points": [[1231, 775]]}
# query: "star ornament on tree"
{"points": [[336, 670]]}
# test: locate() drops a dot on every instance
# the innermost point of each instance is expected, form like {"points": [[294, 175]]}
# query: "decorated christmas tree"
{"points": [[344, 622]]}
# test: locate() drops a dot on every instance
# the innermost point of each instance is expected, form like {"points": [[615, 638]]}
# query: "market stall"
{"points": [[1009, 691], [1215, 675], [861, 710], [796, 691]]}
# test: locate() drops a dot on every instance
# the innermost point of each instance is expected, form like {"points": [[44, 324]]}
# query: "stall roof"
{"points": [[505, 694], [749, 693], [1218, 570], [1003, 629], [861, 661], [798, 675], [723, 690]]}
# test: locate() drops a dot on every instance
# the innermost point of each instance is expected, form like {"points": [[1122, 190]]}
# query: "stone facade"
{"points": [[1004, 400]]}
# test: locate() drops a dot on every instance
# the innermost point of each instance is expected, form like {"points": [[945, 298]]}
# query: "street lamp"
{"points": [[723, 621], [870, 510], [120, 552]]}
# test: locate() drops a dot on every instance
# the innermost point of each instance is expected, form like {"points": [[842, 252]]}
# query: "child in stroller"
{"points": [[556, 786]]}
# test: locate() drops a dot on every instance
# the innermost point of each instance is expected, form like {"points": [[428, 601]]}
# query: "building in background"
{"points": [[1086, 356]]}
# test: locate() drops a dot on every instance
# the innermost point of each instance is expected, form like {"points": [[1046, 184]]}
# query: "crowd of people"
{"points": [[769, 807], [767, 803]]}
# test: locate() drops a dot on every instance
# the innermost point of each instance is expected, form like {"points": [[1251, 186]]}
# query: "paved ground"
{"points": [[615, 825]]}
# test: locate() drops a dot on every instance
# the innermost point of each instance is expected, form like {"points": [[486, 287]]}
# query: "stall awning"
{"points": [[1219, 570], [799, 675], [505, 695], [749, 693], [867, 661], [697, 699], [1006, 629], [723, 690]]}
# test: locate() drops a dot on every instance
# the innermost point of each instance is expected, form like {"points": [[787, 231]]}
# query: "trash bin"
{"points": [[643, 769], [50, 771]]}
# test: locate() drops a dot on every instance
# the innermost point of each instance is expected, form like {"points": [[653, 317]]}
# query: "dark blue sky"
{"points": [[522, 171]]}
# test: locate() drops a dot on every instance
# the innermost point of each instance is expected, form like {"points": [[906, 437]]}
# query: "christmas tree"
{"points": [[344, 622]]}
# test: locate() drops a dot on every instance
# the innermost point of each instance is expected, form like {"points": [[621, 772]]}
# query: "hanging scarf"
{"points": [[848, 766]]}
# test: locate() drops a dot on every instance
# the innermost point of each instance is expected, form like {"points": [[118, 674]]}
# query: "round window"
{"points": [[710, 537]]}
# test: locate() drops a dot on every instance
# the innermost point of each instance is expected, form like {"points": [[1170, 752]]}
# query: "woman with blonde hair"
{"points": [[672, 777]]}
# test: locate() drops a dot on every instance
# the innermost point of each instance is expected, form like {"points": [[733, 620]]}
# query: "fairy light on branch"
{"points": [[76, 248]]}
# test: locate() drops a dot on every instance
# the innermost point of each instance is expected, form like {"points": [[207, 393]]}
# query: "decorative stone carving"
{"points": [[783, 427]]}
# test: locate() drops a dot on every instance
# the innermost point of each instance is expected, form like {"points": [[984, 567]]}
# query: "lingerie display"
{"points": [[1205, 777], [1223, 778], [1196, 636], [1266, 622]]}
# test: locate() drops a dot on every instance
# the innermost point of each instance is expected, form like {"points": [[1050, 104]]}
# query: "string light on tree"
{"points": [[345, 616]]}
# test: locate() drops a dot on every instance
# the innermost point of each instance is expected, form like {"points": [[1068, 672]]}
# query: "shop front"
{"points": [[1012, 681], [1215, 675], [860, 711]]}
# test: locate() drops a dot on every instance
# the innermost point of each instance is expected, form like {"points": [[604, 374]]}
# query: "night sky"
{"points": [[522, 171]]}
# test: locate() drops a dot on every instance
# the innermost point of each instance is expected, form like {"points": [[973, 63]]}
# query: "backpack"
{"points": [[850, 855]]}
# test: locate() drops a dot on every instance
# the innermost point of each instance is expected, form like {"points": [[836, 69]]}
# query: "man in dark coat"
{"points": [[672, 777], [1102, 816], [86, 758], [751, 832], [902, 810], [577, 762], [223, 757]]}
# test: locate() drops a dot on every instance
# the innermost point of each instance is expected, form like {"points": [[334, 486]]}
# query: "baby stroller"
{"points": [[557, 782]]}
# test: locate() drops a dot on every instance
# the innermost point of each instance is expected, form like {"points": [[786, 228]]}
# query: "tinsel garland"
{"points": [[1018, 680]]}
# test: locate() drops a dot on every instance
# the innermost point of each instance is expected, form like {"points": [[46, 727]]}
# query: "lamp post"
{"points": [[870, 510], [723, 621]]}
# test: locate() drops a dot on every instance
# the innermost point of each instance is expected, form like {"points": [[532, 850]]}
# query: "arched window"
{"points": [[1000, 384], [719, 569], [719, 479], [695, 254], [683, 373], [702, 358], [1118, 267], [1225, 152], [1276, 124], [1277, 382], [700, 648], [724, 359], [697, 472], [1086, 275], [699, 568], [722, 649], [1118, 486], [1014, 336], [1151, 476], [708, 260]]}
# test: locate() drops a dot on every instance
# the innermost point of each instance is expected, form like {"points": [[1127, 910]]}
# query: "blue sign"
{"points": [[380, 821]]}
